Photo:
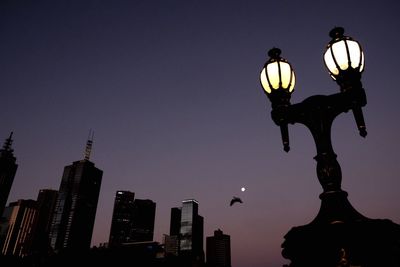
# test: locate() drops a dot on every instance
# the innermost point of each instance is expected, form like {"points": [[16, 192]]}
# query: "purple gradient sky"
{"points": [[171, 90]]}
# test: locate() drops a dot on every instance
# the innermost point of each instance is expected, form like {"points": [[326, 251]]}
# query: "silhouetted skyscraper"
{"points": [[218, 250], [171, 241], [21, 218], [133, 219], [75, 211], [46, 202], [8, 168], [121, 223], [144, 213], [191, 232], [175, 224]]}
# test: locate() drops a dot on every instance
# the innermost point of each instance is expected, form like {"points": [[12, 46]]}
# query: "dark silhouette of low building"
{"points": [[17, 236], [46, 201], [136, 254], [218, 250], [171, 245]]}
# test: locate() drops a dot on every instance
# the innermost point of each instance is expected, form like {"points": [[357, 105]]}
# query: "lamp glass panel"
{"points": [[286, 73], [340, 54], [293, 82], [264, 81], [362, 62], [355, 53], [273, 74], [330, 63]]}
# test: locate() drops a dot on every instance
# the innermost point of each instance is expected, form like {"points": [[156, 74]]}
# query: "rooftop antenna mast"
{"points": [[8, 143], [89, 145]]}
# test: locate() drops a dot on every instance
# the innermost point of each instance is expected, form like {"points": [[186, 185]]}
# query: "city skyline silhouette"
{"points": [[172, 92]]}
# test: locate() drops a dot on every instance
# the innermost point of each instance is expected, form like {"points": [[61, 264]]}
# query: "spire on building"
{"points": [[89, 144], [7, 145], [8, 168]]}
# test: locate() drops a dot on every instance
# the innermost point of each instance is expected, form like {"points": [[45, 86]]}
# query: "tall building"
{"points": [[75, 210], [21, 218], [171, 241], [133, 219], [46, 202], [218, 250], [191, 232], [122, 218], [8, 168], [144, 213], [175, 224]]}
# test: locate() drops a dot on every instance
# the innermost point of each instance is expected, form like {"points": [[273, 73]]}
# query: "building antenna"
{"points": [[89, 145], [8, 142]]}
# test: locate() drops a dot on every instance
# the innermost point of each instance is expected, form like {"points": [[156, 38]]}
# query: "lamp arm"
{"points": [[285, 136], [359, 117], [353, 99]]}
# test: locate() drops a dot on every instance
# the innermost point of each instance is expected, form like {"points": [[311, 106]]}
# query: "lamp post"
{"points": [[339, 235]]}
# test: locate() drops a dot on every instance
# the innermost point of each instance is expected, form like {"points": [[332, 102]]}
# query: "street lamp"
{"points": [[278, 80], [339, 235], [344, 58]]}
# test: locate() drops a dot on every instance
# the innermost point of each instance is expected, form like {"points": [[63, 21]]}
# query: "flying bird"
{"points": [[234, 200]]}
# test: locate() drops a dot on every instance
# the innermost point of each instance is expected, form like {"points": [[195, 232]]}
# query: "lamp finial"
{"points": [[274, 53], [336, 32]]}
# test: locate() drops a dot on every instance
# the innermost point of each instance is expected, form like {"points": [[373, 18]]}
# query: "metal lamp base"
{"points": [[340, 236]]}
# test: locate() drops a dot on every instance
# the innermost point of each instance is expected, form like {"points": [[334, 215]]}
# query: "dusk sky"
{"points": [[172, 92]]}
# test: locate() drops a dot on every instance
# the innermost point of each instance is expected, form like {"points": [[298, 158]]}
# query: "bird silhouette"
{"points": [[234, 200]]}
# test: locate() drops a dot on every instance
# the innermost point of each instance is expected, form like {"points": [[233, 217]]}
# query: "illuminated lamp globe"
{"points": [[277, 74], [344, 57]]}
